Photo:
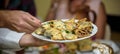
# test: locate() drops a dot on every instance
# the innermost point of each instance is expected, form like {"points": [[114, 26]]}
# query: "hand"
{"points": [[29, 40], [19, 21]]}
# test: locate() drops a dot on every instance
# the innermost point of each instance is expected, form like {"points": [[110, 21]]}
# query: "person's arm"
{"points": [[52, 11], [11, 40], [19, 21], [63, 11], [50, 15], [29, 40], [60, 11], [101, 22]]}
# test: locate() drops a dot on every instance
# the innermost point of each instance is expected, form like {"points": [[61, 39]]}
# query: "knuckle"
{"points": [[20, 24], [19, 29], [31, 30]]}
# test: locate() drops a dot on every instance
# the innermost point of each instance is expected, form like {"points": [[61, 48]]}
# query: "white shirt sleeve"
{"points": [[9, 40]]}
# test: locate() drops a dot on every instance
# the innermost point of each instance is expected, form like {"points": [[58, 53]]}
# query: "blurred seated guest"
{"points": [[92, 9]]}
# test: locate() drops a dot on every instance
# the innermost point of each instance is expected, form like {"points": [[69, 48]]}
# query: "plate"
{"points": [[94, 31], [98, 48]]}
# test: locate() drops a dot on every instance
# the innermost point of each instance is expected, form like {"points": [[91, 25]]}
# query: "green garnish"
{"points": [[67, 31], [50, 22]]}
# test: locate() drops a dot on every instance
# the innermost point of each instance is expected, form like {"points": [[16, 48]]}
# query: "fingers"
{"points": [[27, 28], [29, 23], [23, 28], [32, 20], [29, 40], [41, 42], [20, 21]]}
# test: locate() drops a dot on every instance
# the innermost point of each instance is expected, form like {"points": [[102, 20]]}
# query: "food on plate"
{"points": [[100, 48], [95, 47], [85, 45], [71, 47], [68, 29]]}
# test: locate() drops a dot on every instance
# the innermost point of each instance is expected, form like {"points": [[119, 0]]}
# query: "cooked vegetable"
{"points": [[65, 30]]}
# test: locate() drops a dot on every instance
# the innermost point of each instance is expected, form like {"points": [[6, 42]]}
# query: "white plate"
{"points": [[94, 31]]}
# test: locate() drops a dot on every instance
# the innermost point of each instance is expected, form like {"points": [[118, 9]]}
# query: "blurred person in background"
{"points": [[17, 22], [94, 10]]}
